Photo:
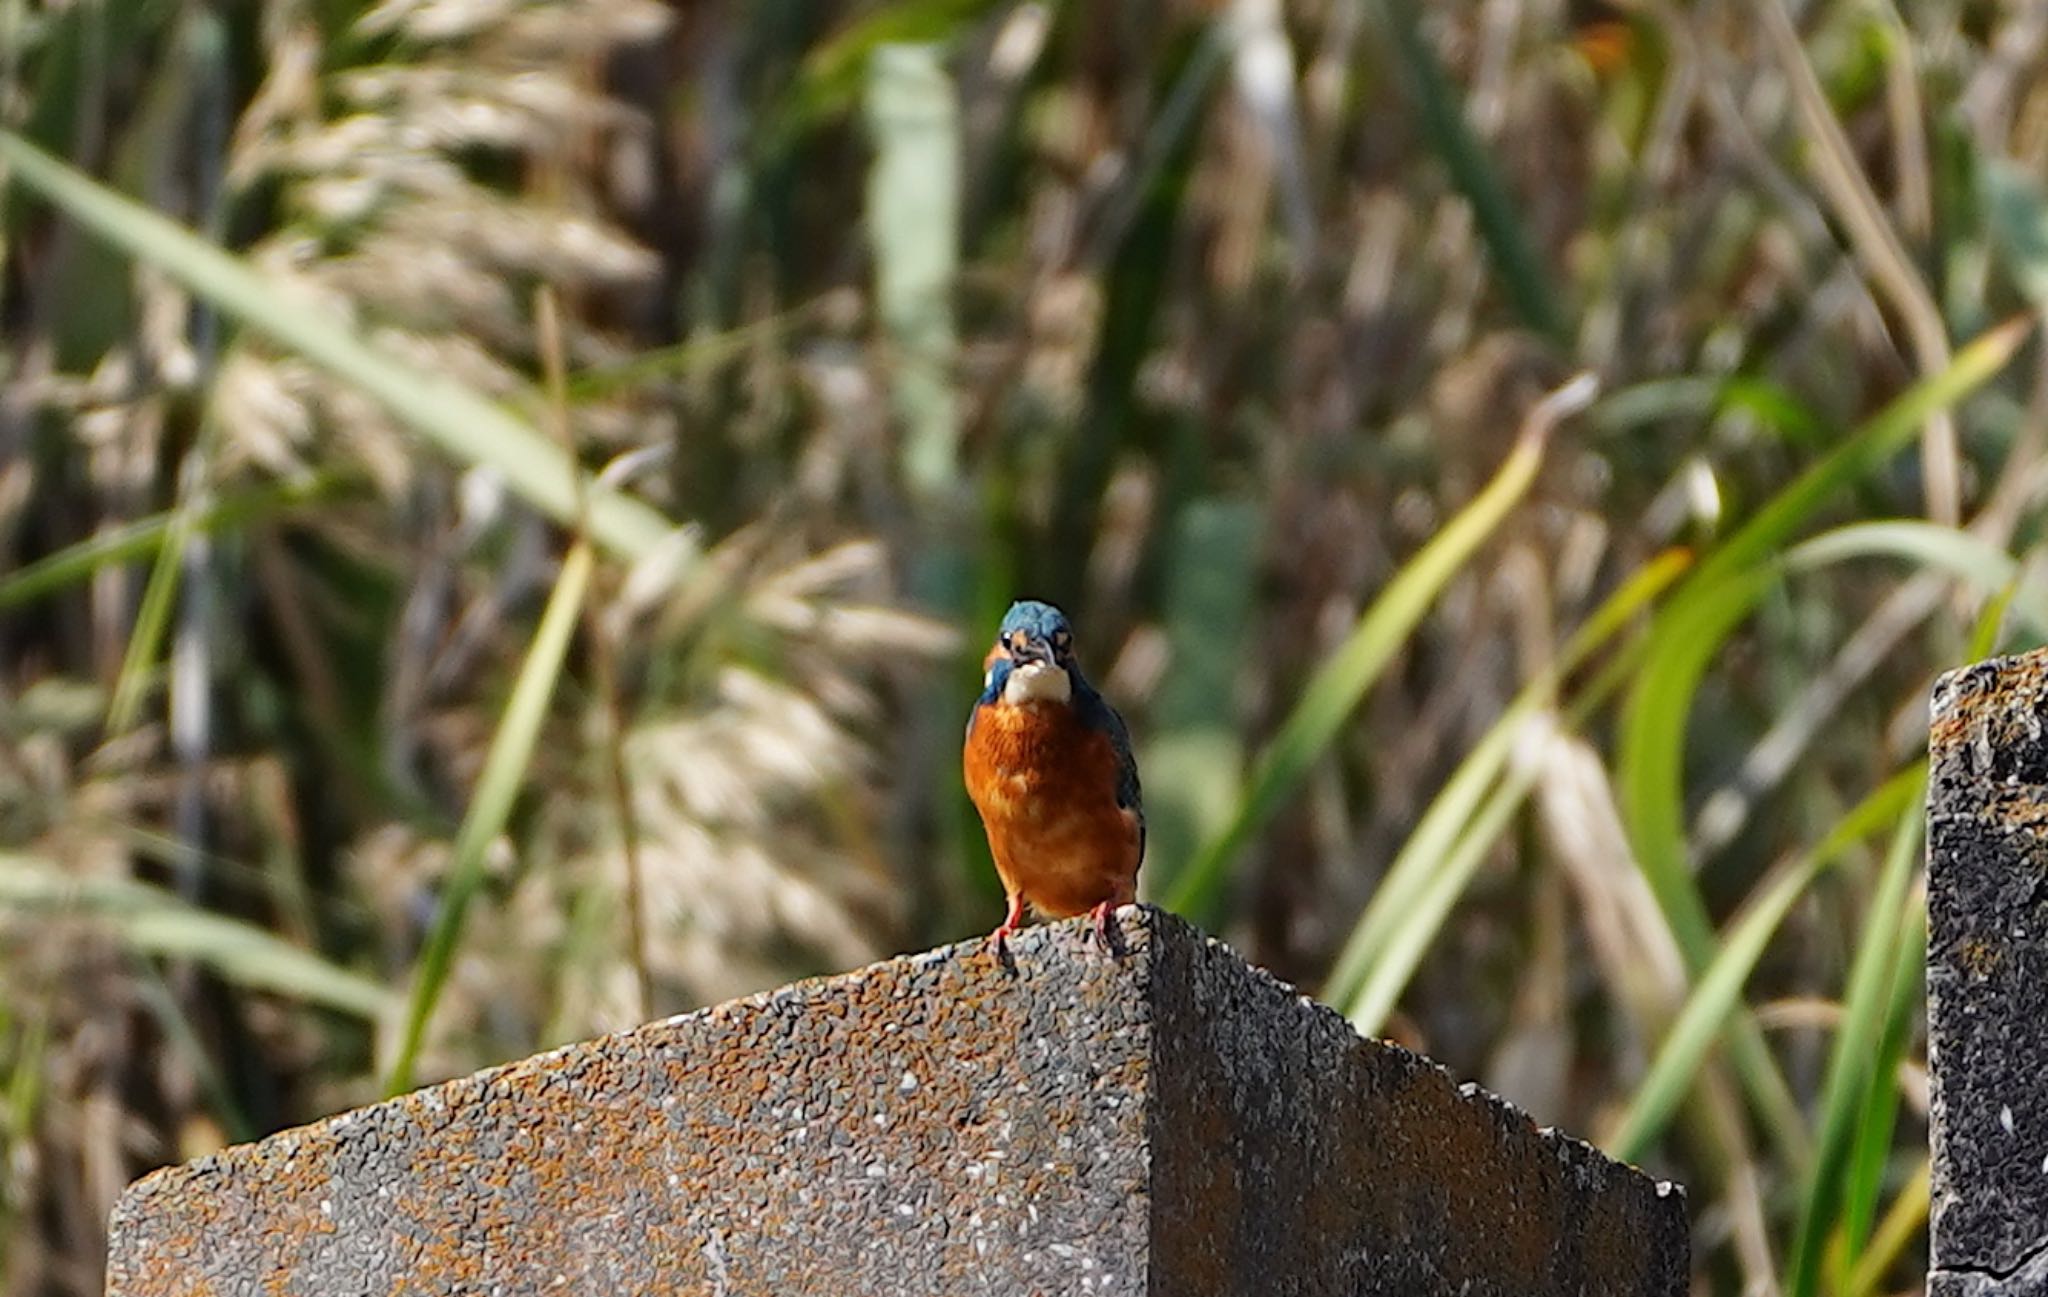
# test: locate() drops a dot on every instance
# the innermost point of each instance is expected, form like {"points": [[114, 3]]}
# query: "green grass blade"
{"points": [[1683, 640], [1854, 1055], [1341, 682], [1905, 1007], [1451, 811], [159, 595], [152, 616], [1906, 1219], [143, 537], [1436, 834], [468, 427], [1440, 860], [1626, 409], [497, 787], [913, 220], [1496, 211], [1990, 630], [1690, 631], [151, 921], [24, 1045], [1889, 431], [1700, 615], [1719, 991], [1771, 406], [1926, 543], [700, 355], [1695, 398], [829, 82], [1969, 557], [1410, 939], [1686, 635]]}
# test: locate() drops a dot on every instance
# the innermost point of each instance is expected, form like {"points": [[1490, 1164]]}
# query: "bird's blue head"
{"points": [[1033, 657]]}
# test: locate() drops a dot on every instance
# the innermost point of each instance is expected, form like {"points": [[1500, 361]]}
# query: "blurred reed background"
{"points": [[348, 740]]}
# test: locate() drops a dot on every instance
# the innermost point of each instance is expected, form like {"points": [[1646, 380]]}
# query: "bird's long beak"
{"points": [[1034, 650]]}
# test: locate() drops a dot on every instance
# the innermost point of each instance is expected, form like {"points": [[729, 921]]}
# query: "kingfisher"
{"points": [[1048, 765]]}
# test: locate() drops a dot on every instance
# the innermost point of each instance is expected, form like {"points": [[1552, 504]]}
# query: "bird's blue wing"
{"points": [[1100, 715]]}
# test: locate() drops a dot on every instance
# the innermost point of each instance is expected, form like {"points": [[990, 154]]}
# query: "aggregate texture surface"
{"points": [[1169, 1121], [1987, 978]]}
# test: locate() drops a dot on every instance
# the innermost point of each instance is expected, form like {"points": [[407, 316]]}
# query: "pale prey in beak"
{"points": [[1032, 682]]}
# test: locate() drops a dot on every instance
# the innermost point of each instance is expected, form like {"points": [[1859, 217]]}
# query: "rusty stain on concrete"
{"points": [[1171, 1122]]}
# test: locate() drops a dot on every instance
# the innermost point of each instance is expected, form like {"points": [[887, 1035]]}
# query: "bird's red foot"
{"points": [[1006, 929], [997, 943], [1105, 927]]}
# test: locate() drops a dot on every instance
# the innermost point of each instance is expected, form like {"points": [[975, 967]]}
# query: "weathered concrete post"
{"points": [[1171, 1122], [1987, 978]]}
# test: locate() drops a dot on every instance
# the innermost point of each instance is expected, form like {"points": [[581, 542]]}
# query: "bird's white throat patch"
{"points": [[1038, 682]]}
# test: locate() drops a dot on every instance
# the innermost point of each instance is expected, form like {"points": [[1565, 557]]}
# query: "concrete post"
{"points": [[1987, 979], [1167, 1122]]}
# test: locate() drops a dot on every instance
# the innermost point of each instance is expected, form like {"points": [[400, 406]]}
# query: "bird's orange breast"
{"points": [[1045, 785]]}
